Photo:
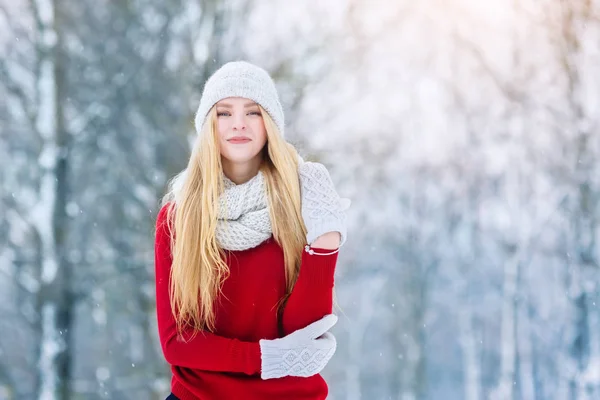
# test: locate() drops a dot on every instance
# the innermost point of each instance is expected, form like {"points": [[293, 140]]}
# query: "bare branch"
{"points": [[14, 89], [18, 30], [507, 89]]}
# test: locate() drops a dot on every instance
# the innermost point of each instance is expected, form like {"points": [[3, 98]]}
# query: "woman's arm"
{"points": [[206, 351], [312, 296], [329, 240], [323, 212]]}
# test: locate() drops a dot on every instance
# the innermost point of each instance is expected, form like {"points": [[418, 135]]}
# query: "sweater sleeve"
{"points": [[312, 296], [205, 350]]}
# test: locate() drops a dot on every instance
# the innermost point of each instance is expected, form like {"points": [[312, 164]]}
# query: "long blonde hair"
{"points": [[198, 268]]}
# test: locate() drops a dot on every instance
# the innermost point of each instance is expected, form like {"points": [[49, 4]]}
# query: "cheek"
{"points": [[259, 130], [222, 127]]}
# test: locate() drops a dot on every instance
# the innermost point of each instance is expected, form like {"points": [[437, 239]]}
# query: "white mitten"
{"points": [[322, 208], [304, 352]]}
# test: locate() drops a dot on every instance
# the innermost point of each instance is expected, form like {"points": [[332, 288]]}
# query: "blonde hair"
{"points": [[198, 268]]}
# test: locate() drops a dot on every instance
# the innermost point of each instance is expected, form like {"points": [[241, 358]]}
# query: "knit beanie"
{"points": [[240, 79]]}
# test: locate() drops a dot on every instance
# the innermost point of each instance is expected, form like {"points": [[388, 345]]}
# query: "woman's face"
{"points": [[241, 130]]}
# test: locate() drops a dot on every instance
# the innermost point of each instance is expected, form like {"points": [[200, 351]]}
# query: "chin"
{"points": [[240, 159]]}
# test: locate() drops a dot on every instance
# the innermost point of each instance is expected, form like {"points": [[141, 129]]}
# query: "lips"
{"points": [[239, 139]]}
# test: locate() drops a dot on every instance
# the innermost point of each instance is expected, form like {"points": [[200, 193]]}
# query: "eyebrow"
{"points": [[227, 105]]}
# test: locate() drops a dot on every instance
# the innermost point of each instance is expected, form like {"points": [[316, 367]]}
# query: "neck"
{"points": [[240, 173]]}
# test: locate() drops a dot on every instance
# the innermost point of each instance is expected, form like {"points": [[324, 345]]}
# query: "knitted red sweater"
{"points": [[226, 364]]}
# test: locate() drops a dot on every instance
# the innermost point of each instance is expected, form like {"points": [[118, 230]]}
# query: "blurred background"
{"points": [[466, 133]]}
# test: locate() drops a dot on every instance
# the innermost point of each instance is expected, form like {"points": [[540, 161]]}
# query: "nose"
{"points": [[239, 123]]}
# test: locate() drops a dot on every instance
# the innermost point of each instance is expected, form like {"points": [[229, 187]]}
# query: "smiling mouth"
{"points": [[239, 140]]}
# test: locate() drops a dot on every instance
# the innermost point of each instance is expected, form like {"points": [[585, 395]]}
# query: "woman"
{"points": [[246, 245]]}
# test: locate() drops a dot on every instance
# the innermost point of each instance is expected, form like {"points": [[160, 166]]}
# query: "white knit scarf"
{"points": [[243, 220]]}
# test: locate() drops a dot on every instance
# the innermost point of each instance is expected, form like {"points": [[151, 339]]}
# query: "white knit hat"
{"points": [[241, 79]]}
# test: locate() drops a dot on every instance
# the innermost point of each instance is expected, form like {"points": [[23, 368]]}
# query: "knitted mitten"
{"points": [[322, 208], [304, 352]]}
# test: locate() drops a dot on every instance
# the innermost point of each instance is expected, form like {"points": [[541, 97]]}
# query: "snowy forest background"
{"points": [[466, 133]]}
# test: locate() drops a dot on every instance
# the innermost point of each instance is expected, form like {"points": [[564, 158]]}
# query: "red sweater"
{"points": [[226, 364]]}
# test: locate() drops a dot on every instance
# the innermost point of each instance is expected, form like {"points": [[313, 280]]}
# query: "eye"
{"points": [[254, 113], [222, 114]]}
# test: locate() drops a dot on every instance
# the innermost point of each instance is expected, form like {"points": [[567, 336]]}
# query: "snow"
{"points": [[50, 347], [472, 253]]}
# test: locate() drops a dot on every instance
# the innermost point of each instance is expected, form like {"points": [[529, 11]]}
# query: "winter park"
{"points": [[453, 143]]}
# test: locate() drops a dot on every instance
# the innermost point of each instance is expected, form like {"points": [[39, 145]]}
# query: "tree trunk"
{"points": [[471, 365], [54, 302]]}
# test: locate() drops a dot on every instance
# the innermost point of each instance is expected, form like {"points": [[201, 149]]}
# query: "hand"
{"points": [[303, 353], [322, 208]]}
